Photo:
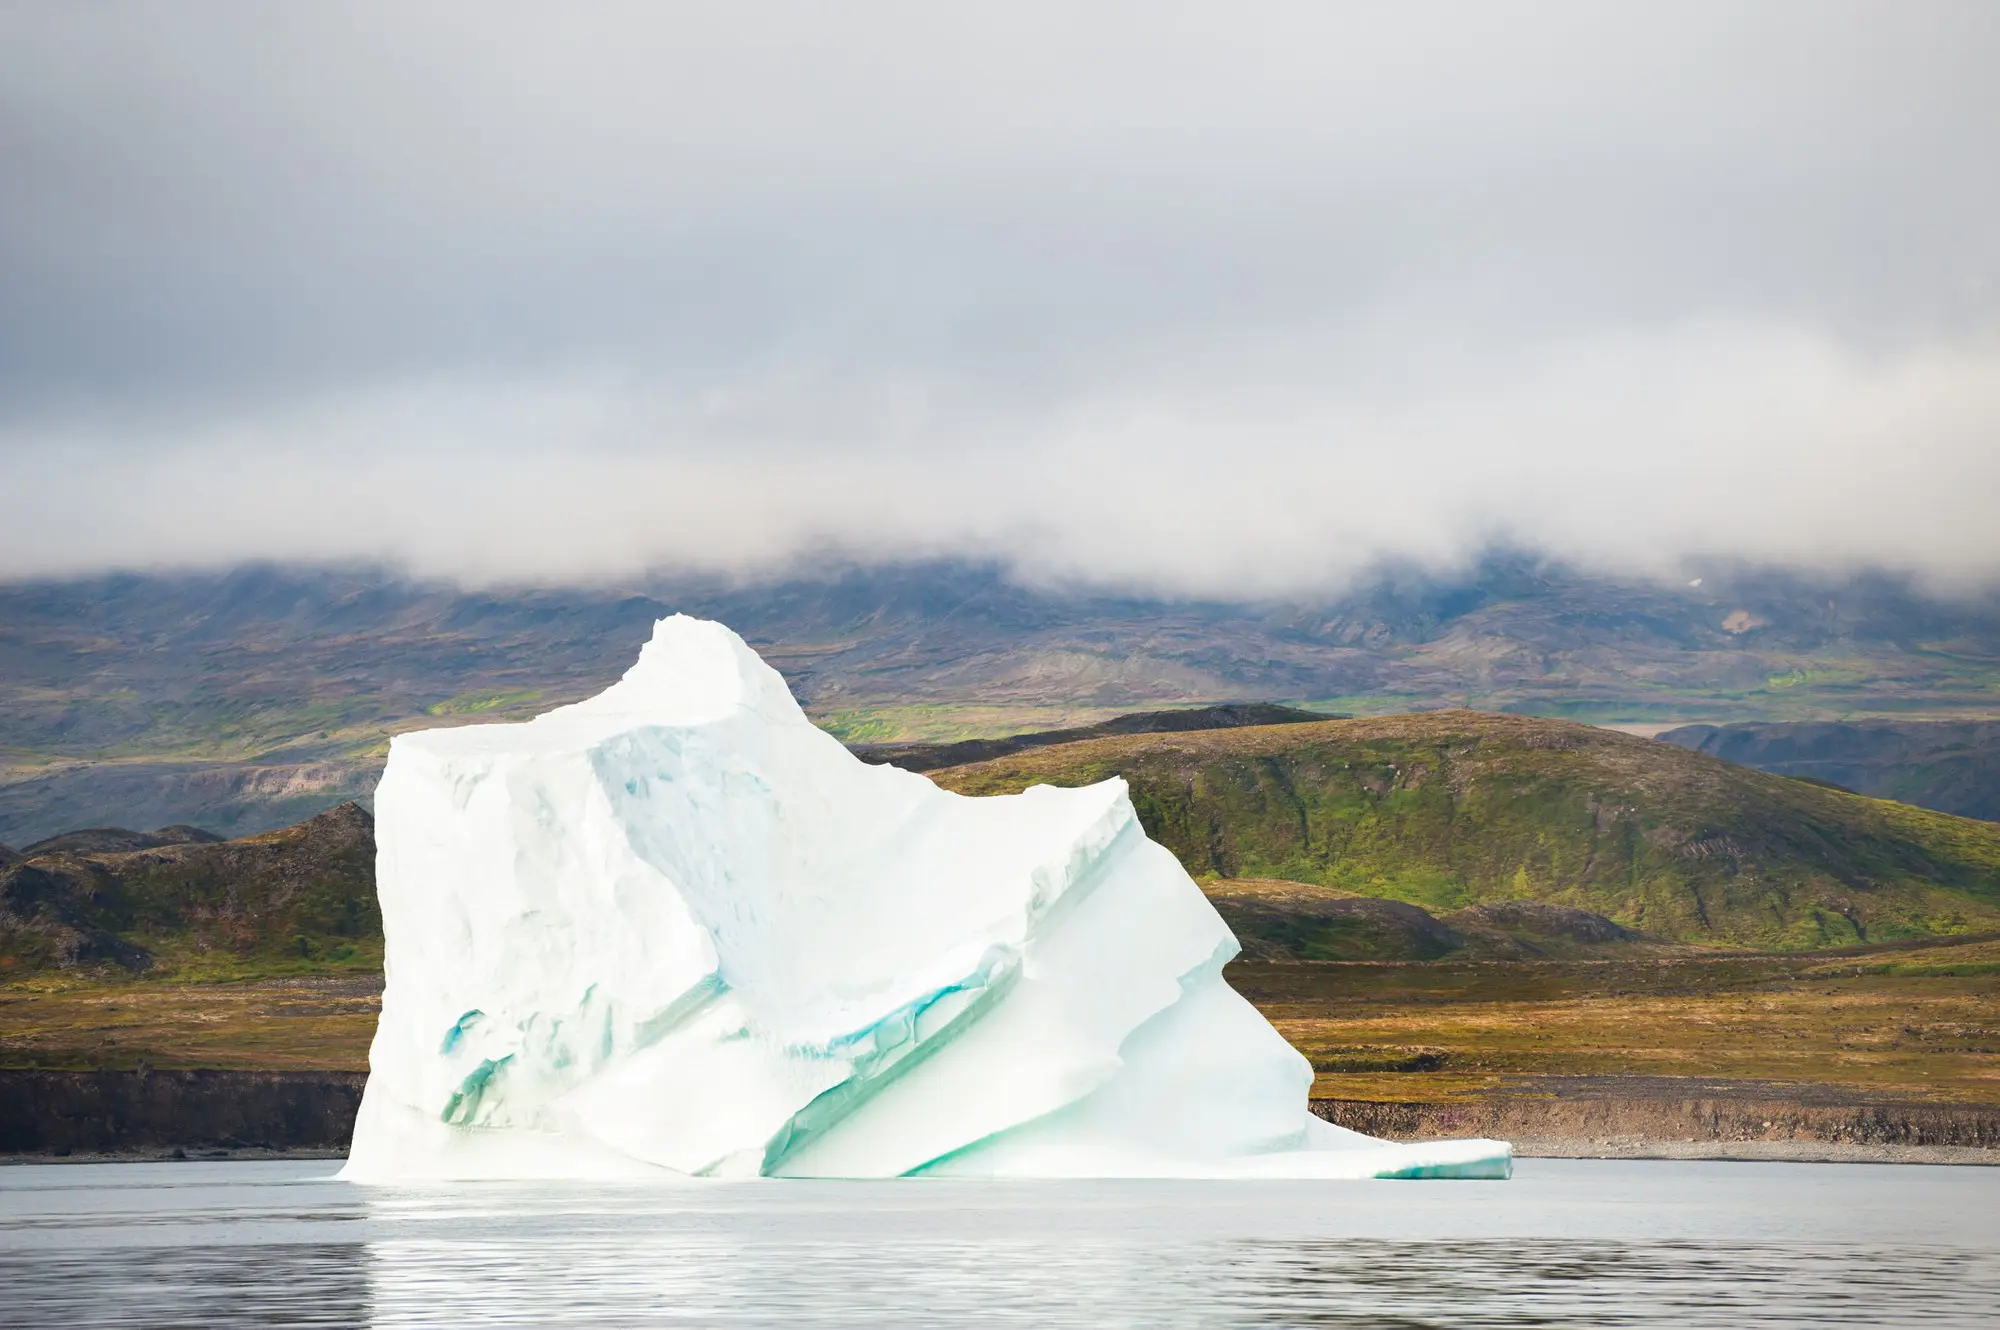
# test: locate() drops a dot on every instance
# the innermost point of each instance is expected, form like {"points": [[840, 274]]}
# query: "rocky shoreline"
{"points": [[1786, 1152], [127, 1115], [1670, 1118]]}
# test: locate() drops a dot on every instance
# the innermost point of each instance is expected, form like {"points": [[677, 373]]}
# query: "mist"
{"points": [[1219, 300]]}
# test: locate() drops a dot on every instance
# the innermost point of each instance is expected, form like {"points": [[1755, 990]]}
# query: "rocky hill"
{"points": [[303, 895], [1952, 766], [1458, 809]]}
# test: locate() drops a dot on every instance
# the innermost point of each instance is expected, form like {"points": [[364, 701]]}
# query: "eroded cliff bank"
{"points": [[1667, 1118], [152, 1114], [72, 1113]]}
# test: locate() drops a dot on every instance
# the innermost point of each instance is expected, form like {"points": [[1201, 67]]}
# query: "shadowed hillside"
{"points": [[1952, 766], [1455, 809], [1229, 715], [1302, 921]]}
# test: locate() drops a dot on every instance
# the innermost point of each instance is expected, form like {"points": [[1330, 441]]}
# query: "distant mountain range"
{"points": [[1952, 766], [247, 699]]}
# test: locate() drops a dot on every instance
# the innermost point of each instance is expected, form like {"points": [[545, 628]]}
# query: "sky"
{"points": [[1227, 298]]}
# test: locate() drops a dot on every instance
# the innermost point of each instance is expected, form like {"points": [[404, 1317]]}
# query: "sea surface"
{"points": [[1565, 1243]]}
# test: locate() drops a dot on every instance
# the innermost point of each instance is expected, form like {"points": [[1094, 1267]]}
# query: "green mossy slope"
{"points": [[1453, 808]]}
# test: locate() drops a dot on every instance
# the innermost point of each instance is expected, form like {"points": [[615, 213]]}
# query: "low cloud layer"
{"points": [[1225, 299]]}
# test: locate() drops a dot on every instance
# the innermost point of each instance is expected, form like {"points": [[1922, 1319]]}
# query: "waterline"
{"points": [[1583, 1243]]}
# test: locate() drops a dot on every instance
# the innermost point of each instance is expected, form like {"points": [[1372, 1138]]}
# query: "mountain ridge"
{"points": [[246, 699], [1223, 716]]}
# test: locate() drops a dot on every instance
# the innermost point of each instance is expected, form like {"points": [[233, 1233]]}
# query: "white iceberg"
{"points": [[678, 929]]}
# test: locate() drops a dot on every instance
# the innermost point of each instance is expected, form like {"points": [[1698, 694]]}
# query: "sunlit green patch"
{"points": [[476, 704]]}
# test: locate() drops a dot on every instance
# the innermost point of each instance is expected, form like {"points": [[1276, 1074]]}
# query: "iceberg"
{"points": [[678, 930]]}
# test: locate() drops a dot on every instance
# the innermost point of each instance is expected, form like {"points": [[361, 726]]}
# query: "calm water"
{"points": [[1563, 1244]]}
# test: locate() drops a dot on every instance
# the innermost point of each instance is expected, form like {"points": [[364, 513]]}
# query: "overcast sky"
{"points": [[1228, 297]]}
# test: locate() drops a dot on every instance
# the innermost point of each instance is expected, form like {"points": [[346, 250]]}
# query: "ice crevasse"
{"points": [[676, 929]]}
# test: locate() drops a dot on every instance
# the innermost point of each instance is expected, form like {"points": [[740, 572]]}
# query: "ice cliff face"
{"points": [[677, 928]]}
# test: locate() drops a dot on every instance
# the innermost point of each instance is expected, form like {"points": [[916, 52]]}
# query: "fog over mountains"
{"points": [[248, 698], [1128, 357], [1226, 301]]}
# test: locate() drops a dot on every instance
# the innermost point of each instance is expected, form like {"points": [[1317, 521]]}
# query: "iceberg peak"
{"points": [[690, 672], [677, 929]]}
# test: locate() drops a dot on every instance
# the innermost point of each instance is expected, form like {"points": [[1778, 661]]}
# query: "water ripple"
{"points": [[1578, 1245]]}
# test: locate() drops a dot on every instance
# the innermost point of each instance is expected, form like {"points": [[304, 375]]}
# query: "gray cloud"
{"points": [[1204, 297]]}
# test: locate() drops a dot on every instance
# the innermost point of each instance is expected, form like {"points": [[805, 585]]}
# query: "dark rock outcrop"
{"points": [[93, 1112], [305, 891]]}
